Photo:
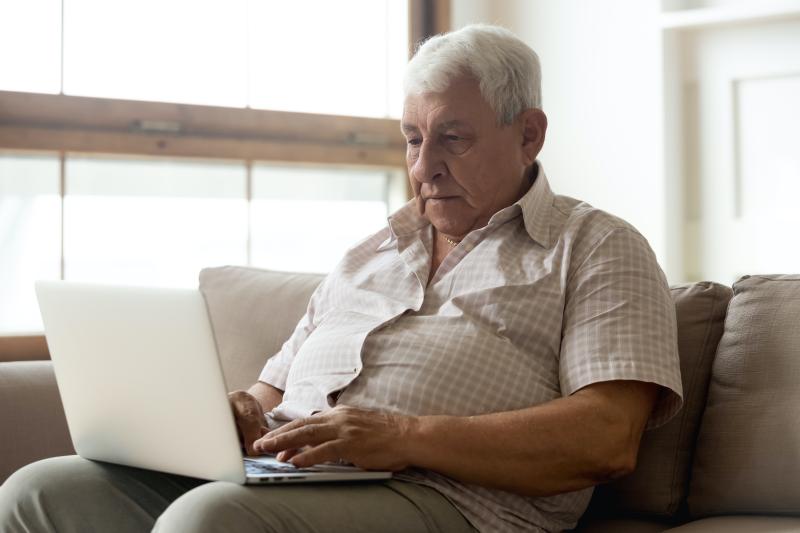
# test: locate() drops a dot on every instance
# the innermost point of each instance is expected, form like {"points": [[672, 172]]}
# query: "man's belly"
{"points": [[424, 365]]}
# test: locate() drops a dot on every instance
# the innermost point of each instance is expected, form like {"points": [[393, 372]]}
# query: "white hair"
{"points": [[506, 68]]}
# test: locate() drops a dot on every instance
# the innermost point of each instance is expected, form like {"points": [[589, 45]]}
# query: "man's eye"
{"points": [[454, 138], [414, 142]]}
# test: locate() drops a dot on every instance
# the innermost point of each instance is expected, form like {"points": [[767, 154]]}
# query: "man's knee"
{"points": [[48, 476], [218, 506], [67, 494], [26, 496]]}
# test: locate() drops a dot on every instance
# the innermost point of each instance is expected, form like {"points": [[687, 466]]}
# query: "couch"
{"points": [[729, 462]]}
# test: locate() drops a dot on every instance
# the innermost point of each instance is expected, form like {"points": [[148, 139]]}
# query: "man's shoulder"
{"points": [[585, 230], [582, 223]]}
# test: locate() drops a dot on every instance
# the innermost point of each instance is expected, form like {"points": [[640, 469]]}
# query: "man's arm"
{"points": [[566, 444], [266, 395]]}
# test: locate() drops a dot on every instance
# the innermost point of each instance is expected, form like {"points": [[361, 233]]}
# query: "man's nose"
{"points": [[430, 163]]}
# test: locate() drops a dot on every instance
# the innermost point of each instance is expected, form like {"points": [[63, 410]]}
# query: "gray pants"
{"points": [[70, 494]]}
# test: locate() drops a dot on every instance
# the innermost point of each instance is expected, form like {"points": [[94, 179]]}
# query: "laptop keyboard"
{"points": [[255, 467]]}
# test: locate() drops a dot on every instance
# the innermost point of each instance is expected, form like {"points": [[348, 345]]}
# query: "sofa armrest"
{"points": [[32, 423], [23, 348]]}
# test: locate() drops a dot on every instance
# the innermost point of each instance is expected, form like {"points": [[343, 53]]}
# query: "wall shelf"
{"points": [[731, 14]]}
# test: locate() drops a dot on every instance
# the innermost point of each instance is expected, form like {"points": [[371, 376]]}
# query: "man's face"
{"points": [[462, 165]]}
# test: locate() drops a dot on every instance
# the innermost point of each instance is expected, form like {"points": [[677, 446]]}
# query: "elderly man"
{"points": [[499, 347]]}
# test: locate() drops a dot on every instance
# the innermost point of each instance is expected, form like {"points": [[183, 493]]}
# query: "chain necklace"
{"points": [[450, 241]]}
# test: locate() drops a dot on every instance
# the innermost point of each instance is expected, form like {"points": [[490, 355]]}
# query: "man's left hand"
{"points": [[372, 440]]}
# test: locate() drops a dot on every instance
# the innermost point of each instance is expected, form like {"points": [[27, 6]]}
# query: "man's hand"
{"points": [[371, 440], [250, 424]]}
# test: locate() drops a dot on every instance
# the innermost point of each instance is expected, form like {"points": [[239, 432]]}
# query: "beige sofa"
{"points": [[729, 462]]}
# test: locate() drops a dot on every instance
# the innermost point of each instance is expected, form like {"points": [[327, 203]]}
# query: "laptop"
{"points": [[141, 383]]}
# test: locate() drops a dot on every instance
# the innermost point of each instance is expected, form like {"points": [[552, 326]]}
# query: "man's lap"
{"points": [[72, 494]]}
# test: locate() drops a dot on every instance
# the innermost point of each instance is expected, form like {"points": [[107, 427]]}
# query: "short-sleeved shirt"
{"points": [[550, 296]]}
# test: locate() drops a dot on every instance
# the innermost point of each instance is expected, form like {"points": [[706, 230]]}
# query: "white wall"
{"points": [[602, 91]]}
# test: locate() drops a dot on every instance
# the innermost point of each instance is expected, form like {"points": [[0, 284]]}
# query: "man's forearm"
{"points": [[563, 445], [267, 395]]}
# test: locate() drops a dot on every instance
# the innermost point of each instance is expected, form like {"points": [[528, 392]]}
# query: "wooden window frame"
{"points": [[78, 124]]}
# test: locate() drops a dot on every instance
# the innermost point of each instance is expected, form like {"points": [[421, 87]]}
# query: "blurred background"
{"points": [[142, 141]]}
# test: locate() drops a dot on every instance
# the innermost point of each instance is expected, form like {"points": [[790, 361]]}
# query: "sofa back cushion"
{"points": [[748, 450], [253, 312], [32, 422], [659, 484]]}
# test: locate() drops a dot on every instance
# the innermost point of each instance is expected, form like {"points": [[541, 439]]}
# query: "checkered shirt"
{"points": [[550, 296]]}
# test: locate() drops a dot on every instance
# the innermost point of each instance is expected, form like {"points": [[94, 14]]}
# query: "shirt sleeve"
{"points": [[619, 322], [276, 371]]}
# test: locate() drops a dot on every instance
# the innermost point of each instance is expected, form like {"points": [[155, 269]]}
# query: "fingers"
{"points": [[249, 419], [286, 455], [361, 437], [250, 431], [308, 435], [328, 451], [299, 422]]}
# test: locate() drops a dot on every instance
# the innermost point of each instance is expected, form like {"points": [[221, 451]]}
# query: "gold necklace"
{"points": [[450, 241]]}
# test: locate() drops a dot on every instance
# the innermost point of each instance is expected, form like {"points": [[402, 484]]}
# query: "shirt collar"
{"points": [[534, 205], [402, 222]]}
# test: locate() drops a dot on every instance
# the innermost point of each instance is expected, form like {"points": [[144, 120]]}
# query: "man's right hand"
{"points": [[249, 416]]}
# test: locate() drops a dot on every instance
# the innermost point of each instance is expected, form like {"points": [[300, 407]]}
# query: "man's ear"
{"points": [[534, 127]]}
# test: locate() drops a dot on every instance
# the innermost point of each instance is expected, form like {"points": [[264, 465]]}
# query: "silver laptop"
{"points": [[142, 385]]}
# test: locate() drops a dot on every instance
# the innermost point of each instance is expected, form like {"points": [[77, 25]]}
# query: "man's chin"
{"points": [[447, 216], [449, 227]]}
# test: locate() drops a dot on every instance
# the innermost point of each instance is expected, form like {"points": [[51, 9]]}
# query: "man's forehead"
{"points": [[436, 114], [461, 104], [439, 124]]}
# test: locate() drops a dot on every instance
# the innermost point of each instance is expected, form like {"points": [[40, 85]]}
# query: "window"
{"points": [[176, 51], [158, 221], [30, 45], [152, 222], [342, 58], [305, 218], [30, 226], [142, 141]]}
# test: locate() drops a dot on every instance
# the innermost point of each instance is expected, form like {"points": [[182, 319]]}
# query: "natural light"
{"points": [[305, 55], [158, 221]]}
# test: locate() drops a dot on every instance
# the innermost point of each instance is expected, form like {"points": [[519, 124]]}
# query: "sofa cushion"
{"points": [[32, 422], [659, 484], [748, 450], [253, 312]]}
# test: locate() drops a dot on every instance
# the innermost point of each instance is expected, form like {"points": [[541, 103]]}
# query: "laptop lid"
{"points": [[140, 379]]}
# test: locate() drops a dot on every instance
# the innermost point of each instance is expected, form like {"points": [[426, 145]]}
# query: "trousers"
{"points": [[72, 494]]}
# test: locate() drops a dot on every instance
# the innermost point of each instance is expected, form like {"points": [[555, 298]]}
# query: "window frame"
{"points": [[80, 124]]}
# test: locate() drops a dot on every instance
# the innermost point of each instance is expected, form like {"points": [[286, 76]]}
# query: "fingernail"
{"points": [[281, 456]]}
